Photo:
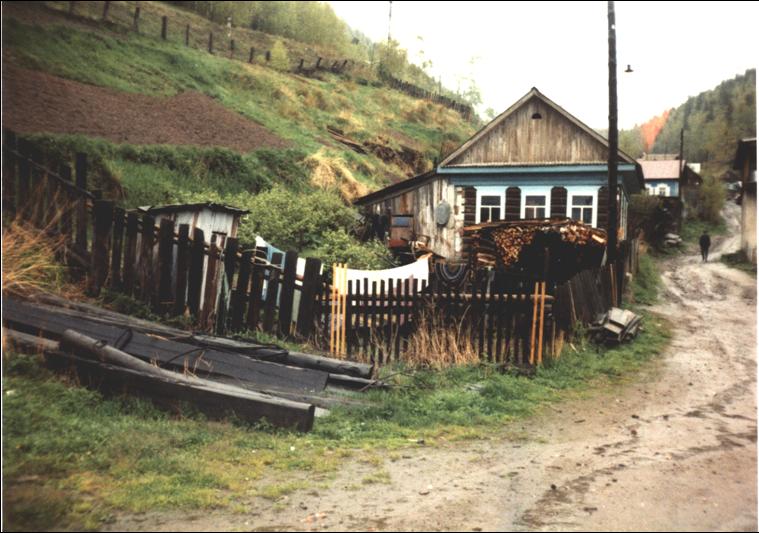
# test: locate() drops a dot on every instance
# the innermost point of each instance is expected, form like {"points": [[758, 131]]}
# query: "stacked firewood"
{"points": [[507, 240]]}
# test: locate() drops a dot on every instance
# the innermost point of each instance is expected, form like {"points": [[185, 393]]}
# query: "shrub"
{"points": [[711, 200], [294, 221], [280, 60], [338, 246]]}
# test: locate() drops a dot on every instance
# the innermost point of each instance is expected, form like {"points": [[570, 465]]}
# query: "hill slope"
{"points": [[131, 99]]}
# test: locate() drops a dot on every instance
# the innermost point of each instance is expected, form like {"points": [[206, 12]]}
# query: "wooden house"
{"points": [[745, 163], [533, 161]]}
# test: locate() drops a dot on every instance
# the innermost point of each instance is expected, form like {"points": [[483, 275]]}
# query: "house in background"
{"points": [[745, 164], [533, 161], [670, 176]]}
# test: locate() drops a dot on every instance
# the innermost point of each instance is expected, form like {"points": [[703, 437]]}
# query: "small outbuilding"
{"points": [[214, 219]]}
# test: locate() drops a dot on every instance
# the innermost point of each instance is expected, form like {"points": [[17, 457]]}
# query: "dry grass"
{"points": [[30, 264], [439, 344], [329, 172]]}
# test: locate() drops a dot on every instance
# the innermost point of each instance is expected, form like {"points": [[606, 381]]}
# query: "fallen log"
{"points": [[167, 389]]}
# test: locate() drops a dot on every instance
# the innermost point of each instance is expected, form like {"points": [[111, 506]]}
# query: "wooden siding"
{"points": [[513, 204], [522, 139], [420, 203], [558, 202]]}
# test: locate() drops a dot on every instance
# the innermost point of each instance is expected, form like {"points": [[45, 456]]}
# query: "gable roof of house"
{"points": [[534, 93]]}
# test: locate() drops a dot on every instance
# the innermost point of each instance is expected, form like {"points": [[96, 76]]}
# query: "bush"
{"points": [[340, 247], [294, 221], [280, 60]]}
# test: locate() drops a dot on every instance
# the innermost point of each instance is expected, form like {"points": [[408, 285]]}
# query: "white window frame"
{"points": [[546, 205], [662, 187], [490, 191], [583, 191], [534, 190]]}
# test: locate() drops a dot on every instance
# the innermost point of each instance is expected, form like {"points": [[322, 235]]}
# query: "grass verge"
{"points": [[740, 261]]}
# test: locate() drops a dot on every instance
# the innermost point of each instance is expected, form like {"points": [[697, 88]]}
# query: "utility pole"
{"points": [[389, 21], [611, 251]]}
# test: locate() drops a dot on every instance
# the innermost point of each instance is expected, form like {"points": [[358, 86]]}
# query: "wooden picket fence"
{"points": [[175, 271], [504, 323]]}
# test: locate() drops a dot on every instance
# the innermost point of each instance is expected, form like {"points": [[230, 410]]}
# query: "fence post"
{"points": [[255, 299], [72, 5], [238, 295], [9, 172], [300, 64], [195, 275], [136, 19], [268, 56], [102, 222], [288, 292], [232, 48], [24, 179], [209, 294], [37, 199], [318, 62], [146, 258], [67, 205], [106, 6], [210, 42], [272, 291], [308, 294], [250, 56], [81, 207], [187, 35], [164, 26], [162, 302], [183, 263], [130, 253], [116, 247]]}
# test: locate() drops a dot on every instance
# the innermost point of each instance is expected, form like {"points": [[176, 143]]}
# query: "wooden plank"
{"points": [[195, 274], [37, 186], [308, 295], [378, 323], [183, 266], [287, 293], [117, 246], [10, 164], [239, 299], [145, 270], [66, 206], [208, 311], [398, 315], [164, 300], [24, 180], [130, 254], [103, 222], [255, 298], [272, 290], [81, 204], [350, 327]]}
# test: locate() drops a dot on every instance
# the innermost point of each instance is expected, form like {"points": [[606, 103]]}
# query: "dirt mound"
{"points": [[35, 102]]}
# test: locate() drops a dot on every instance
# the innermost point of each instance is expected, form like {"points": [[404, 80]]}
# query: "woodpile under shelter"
{"points": [[534, 161]]}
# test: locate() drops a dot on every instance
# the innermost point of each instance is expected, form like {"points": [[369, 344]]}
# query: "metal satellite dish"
{"points": [[442, 213]]}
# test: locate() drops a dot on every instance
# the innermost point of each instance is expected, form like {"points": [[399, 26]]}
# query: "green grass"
{"points": [[740, 261], [693, 228], [647, 282], [73, 458]]}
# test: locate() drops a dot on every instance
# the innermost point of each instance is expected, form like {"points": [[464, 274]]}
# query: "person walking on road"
{"points": [[705, 242]]}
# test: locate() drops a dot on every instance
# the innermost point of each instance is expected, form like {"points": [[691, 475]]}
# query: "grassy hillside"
{"points": [[400, 135]]}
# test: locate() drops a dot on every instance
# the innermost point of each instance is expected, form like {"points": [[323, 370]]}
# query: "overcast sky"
{"points": [[676, 49]]}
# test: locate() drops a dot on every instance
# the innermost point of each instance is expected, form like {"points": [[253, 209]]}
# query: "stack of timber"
{"points": [[617, 326], [552, 249], [267, 370]]}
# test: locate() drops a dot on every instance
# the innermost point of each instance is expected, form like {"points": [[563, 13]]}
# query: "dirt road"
{"points": [[673, 450]]}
